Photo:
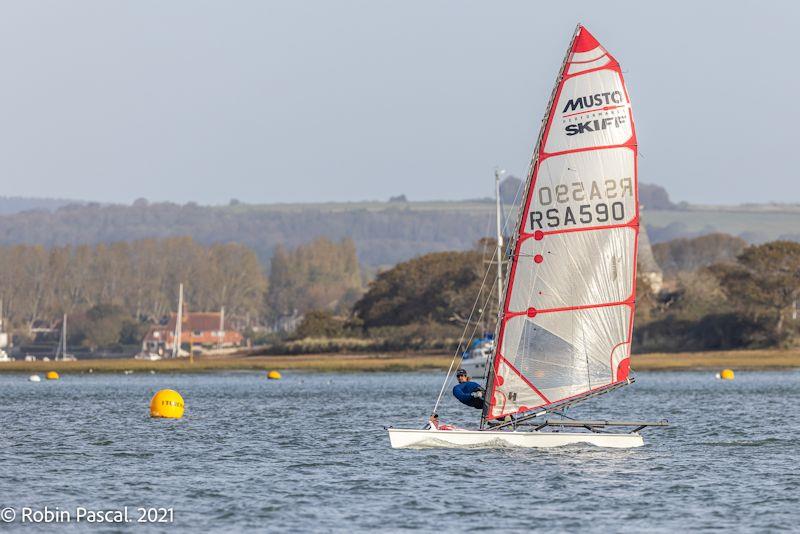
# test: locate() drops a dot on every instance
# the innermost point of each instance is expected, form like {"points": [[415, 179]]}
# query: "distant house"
{"points": [[204, 329]]}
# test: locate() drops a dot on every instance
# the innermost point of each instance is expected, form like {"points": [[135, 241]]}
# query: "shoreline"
{"points": [[751, 360]]}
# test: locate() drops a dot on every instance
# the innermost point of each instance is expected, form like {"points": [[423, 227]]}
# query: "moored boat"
{"points": [[61, 350]]}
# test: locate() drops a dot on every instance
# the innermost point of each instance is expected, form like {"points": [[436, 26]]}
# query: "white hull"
{"points": [[475, 367], [149, 356], [403, 437]]}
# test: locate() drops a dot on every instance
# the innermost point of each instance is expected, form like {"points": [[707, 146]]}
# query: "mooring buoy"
{"points": [[167, 404], [726, 374]]}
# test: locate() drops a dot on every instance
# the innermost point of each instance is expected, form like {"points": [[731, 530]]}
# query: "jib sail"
{"points": [[569, 299]]}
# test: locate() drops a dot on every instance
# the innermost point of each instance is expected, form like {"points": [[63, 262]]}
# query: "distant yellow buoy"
{"points": [[52, 375], [274, 375], [167, 403], [726, 374]]}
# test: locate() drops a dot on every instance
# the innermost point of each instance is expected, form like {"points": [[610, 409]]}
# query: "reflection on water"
{"points": [[308, 453]]}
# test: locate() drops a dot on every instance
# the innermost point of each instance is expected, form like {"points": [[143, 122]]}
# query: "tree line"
{"points": [[139, 281], [718, 293], [726, 296]]}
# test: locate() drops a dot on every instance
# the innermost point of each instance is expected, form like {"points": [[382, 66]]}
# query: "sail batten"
{"points": [[568, 308]]}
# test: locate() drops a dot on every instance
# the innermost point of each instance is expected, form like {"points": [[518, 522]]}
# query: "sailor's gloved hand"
{"points": [[477, 394]]}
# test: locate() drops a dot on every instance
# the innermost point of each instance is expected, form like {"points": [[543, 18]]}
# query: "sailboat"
{"points": [[178, 334], [61, 350], [154, 347], [4, 357], [563, 333]]}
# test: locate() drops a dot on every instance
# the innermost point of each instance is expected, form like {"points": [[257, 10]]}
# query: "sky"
{"points": [[310, 101]]}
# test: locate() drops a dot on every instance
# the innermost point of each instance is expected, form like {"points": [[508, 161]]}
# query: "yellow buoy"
{"points": [[726, 374], [274, 375], [167, 403], [52, 375]]}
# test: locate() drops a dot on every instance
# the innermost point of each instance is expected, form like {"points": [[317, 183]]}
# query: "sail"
{"points": [[568, 307]]}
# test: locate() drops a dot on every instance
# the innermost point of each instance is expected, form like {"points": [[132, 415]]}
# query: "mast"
{"points": [[499, 252], [64, 338], [520, 222], [176, 346], [221, 336]]}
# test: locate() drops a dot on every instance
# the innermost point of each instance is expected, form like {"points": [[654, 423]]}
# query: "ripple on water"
{"points": [[308, 454]]}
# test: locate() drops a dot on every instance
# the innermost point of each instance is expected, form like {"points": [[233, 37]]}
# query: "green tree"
{"points": [[100, 326], [438, 287], [764, 282], [319, 323]]}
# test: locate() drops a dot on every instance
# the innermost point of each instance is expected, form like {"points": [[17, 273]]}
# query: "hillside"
{"points": [[755, 223], [384, 233], [9, 205]]}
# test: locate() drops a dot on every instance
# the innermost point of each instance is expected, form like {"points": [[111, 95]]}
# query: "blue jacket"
{"points": [[463, 392]]}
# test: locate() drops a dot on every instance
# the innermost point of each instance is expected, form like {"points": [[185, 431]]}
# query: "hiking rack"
{"points": [[595, 426], [557, 406]]}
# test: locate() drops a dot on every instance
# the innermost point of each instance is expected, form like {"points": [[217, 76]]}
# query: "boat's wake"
{"points": [[435, 443]]}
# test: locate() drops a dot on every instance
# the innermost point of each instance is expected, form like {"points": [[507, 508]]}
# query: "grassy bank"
{"points": [[717, 360], [315, 362], [737, 360]]}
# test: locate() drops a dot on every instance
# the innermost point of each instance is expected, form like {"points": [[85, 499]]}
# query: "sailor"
{"points": [[468, 392], [435, 424]]}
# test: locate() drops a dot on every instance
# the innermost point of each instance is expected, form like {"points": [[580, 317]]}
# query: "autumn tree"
{"points": [[685, 255], [140, 277], [317, 276]]}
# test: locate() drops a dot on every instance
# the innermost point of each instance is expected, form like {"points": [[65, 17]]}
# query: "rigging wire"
{"points": [[463, 334], [459, 350], [472, 335]]}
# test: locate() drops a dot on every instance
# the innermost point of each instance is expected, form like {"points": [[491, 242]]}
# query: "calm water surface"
{"points": [[308, 453]]}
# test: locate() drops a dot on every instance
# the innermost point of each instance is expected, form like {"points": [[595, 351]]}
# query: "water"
{"points": [[308, 453]]}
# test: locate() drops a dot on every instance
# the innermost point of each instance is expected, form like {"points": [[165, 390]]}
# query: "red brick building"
{"points": [[197, 329]]}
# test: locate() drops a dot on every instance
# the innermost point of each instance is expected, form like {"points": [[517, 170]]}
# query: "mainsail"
{"points": [[565, 331]]}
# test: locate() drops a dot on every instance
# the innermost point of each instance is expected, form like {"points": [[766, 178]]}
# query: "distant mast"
{"points": [[64, 337], [499, 252], [176, 346], [221, 333], [566, 322]]}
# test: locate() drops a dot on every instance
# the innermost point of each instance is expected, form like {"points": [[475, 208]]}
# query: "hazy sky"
{"points": [[346, 100]]}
